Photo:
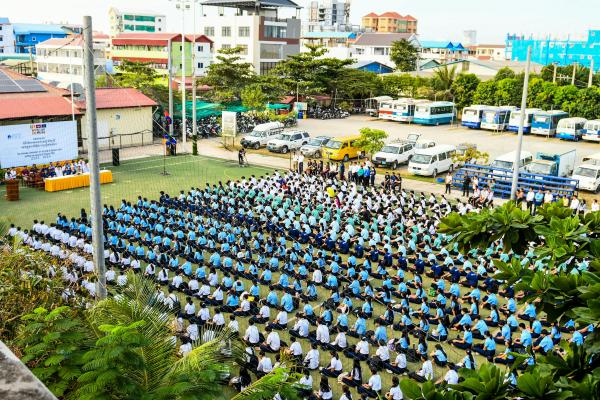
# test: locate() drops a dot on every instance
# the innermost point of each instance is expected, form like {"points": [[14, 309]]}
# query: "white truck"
{"points": [[588, 173], [559, 164]]}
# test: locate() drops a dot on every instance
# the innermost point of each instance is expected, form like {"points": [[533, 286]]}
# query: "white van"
{"points": [[588, 173], [432, 161], [261, 134], [506, 161]]}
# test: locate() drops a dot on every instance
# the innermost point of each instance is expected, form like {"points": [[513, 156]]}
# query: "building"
{"points": [[60, 61], [27, 36], [328, 15], [124, 117], [7, 37], [33, 102], [154, 48], [372, 66], [389, 22], [265, 36], [495, 52], [442, 51], [377, 46], [135, 21], [555, 51], [484, 69], [329, 39]]}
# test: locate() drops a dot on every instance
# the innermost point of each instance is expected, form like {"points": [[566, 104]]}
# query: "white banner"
{"points": [[25, 145], [229, 124]]}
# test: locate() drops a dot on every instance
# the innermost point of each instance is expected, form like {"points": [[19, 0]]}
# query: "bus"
{"points": [[545, 122], [404, 110], [496, 118], [372, 104], [591, 130], [570, 128], [515, 120], [471, 116], [434, 113], [386, 110]]}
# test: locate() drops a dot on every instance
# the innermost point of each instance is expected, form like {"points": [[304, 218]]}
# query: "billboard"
{"points": [[229, 124], [28, 144]]}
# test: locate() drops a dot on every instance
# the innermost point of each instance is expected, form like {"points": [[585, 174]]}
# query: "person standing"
{"points": [[300, 163], [342, 170], [295, 162], [448, 181], [466, 185], [529, 200], [372, 175]]}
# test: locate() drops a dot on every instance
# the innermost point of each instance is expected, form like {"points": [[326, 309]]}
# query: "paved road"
{"points": [[494, 144]]}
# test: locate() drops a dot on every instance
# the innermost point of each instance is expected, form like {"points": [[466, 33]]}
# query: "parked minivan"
{"points": [[433, 160], [261, 134], [341, 148]]}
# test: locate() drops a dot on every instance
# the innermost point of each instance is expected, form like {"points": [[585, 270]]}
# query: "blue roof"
{"points": [[24, 29], [362, 64], [434, 44], [4, 20], [328, 35]]}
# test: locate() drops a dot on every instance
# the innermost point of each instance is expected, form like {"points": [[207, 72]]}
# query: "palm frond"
{"points": [[282, 380]]}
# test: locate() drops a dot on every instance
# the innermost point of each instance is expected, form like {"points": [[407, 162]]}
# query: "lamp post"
{"points": [[183, 5]]}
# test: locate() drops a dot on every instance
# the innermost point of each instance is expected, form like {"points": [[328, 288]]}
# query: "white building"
{"points": [[486, 52], [203, 52], [135, 21], [7, 37], [265, 37], [328, 15], [60, 61]]}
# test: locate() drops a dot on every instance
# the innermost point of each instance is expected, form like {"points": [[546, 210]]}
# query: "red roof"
{"points": [[33, 107], [409, 18], [146, 39], [198, 38], [391, 14], [119, 98], [371, 15]]}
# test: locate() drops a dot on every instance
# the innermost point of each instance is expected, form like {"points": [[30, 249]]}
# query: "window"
{"points": [[266, 67], [442, 156], [200, 65], [226, 31], [226, 46], [200, 48], [244, 31], [277, 32], [243, 49], [271, 51], [209, 30]]}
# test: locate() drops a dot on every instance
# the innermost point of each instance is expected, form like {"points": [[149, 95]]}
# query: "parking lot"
{"points": [[493, 143]]}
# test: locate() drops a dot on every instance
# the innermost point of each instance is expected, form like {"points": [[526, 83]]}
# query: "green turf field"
{"points": [[131, 179]]}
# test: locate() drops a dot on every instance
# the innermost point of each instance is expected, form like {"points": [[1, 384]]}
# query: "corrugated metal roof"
{"points": [[119, 98], [31, 107], [381, 39], [24, 29], [251, 3]]}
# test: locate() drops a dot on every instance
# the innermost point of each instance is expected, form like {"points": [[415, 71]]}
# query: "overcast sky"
{"points": [[438, 19]]}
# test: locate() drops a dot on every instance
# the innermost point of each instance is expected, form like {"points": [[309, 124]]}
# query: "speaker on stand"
{"points": [[116, 157]]}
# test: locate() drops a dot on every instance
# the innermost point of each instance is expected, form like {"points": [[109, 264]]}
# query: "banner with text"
{"points": [[28, 144]]}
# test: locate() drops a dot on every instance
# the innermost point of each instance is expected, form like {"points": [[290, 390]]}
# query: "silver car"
{"points": [[313, 147]]}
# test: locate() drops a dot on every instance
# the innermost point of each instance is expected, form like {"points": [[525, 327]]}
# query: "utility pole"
{"points": [[170, 66], [194, 121], [554, 74], [515, 175], [183, 104], [95, 207], [591, 77], [574, 71]]}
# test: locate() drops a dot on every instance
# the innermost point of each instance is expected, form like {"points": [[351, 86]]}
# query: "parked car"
{"points": [[394, 154], [261, 135], [314, 146], [287, 141]]}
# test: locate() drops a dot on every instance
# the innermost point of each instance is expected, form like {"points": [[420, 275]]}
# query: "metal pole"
{"points": [[515, 176], [194, 65], [574, 71], [71, 75], [95, 207], [591, 78], [554, 74], [183, 116], [170, 66]]}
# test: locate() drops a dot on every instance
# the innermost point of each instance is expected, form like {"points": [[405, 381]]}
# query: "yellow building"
{"points": [[389, 22], [124, 118]]}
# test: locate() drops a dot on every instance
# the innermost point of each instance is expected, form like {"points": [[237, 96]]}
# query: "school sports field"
{"points": [[141, 177]]}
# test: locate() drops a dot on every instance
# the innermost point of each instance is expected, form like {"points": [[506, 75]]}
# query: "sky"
{"points": [[438, 19]]}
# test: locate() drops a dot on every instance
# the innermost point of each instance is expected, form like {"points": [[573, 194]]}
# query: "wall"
{"points": [[121, 121], [7, 43], [32, 39]]}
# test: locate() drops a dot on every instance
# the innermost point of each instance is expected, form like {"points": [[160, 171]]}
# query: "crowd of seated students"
{"points": [[356, 276]]}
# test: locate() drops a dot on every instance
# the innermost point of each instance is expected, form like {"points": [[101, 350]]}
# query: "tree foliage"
{"points": [[253, 97], [485, 93], [404, 55], [463, 88], [228, 76], [371, 140]]}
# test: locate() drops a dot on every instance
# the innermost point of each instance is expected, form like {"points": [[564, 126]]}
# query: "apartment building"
{"points": [[442, 51], [27, 36], [7, 37], [484, 52], [265, 36], [60, 61], [389, 22], [135, 21], [328, 15]]}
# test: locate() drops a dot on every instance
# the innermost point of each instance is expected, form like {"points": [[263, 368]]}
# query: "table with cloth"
{"points": [[74, 181]]}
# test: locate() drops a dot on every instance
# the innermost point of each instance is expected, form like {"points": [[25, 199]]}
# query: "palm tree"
{"points": [[443, 77]]}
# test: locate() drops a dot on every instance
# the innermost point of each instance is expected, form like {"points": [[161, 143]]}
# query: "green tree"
{"points": [[565, 98], [253, 97], [371, 140], [587, 103], [356, 84], [228, 76], [442, 80], [486, 93], [463, 88], [541, 94], [509, 92], [405, 55], [503, 73]]}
